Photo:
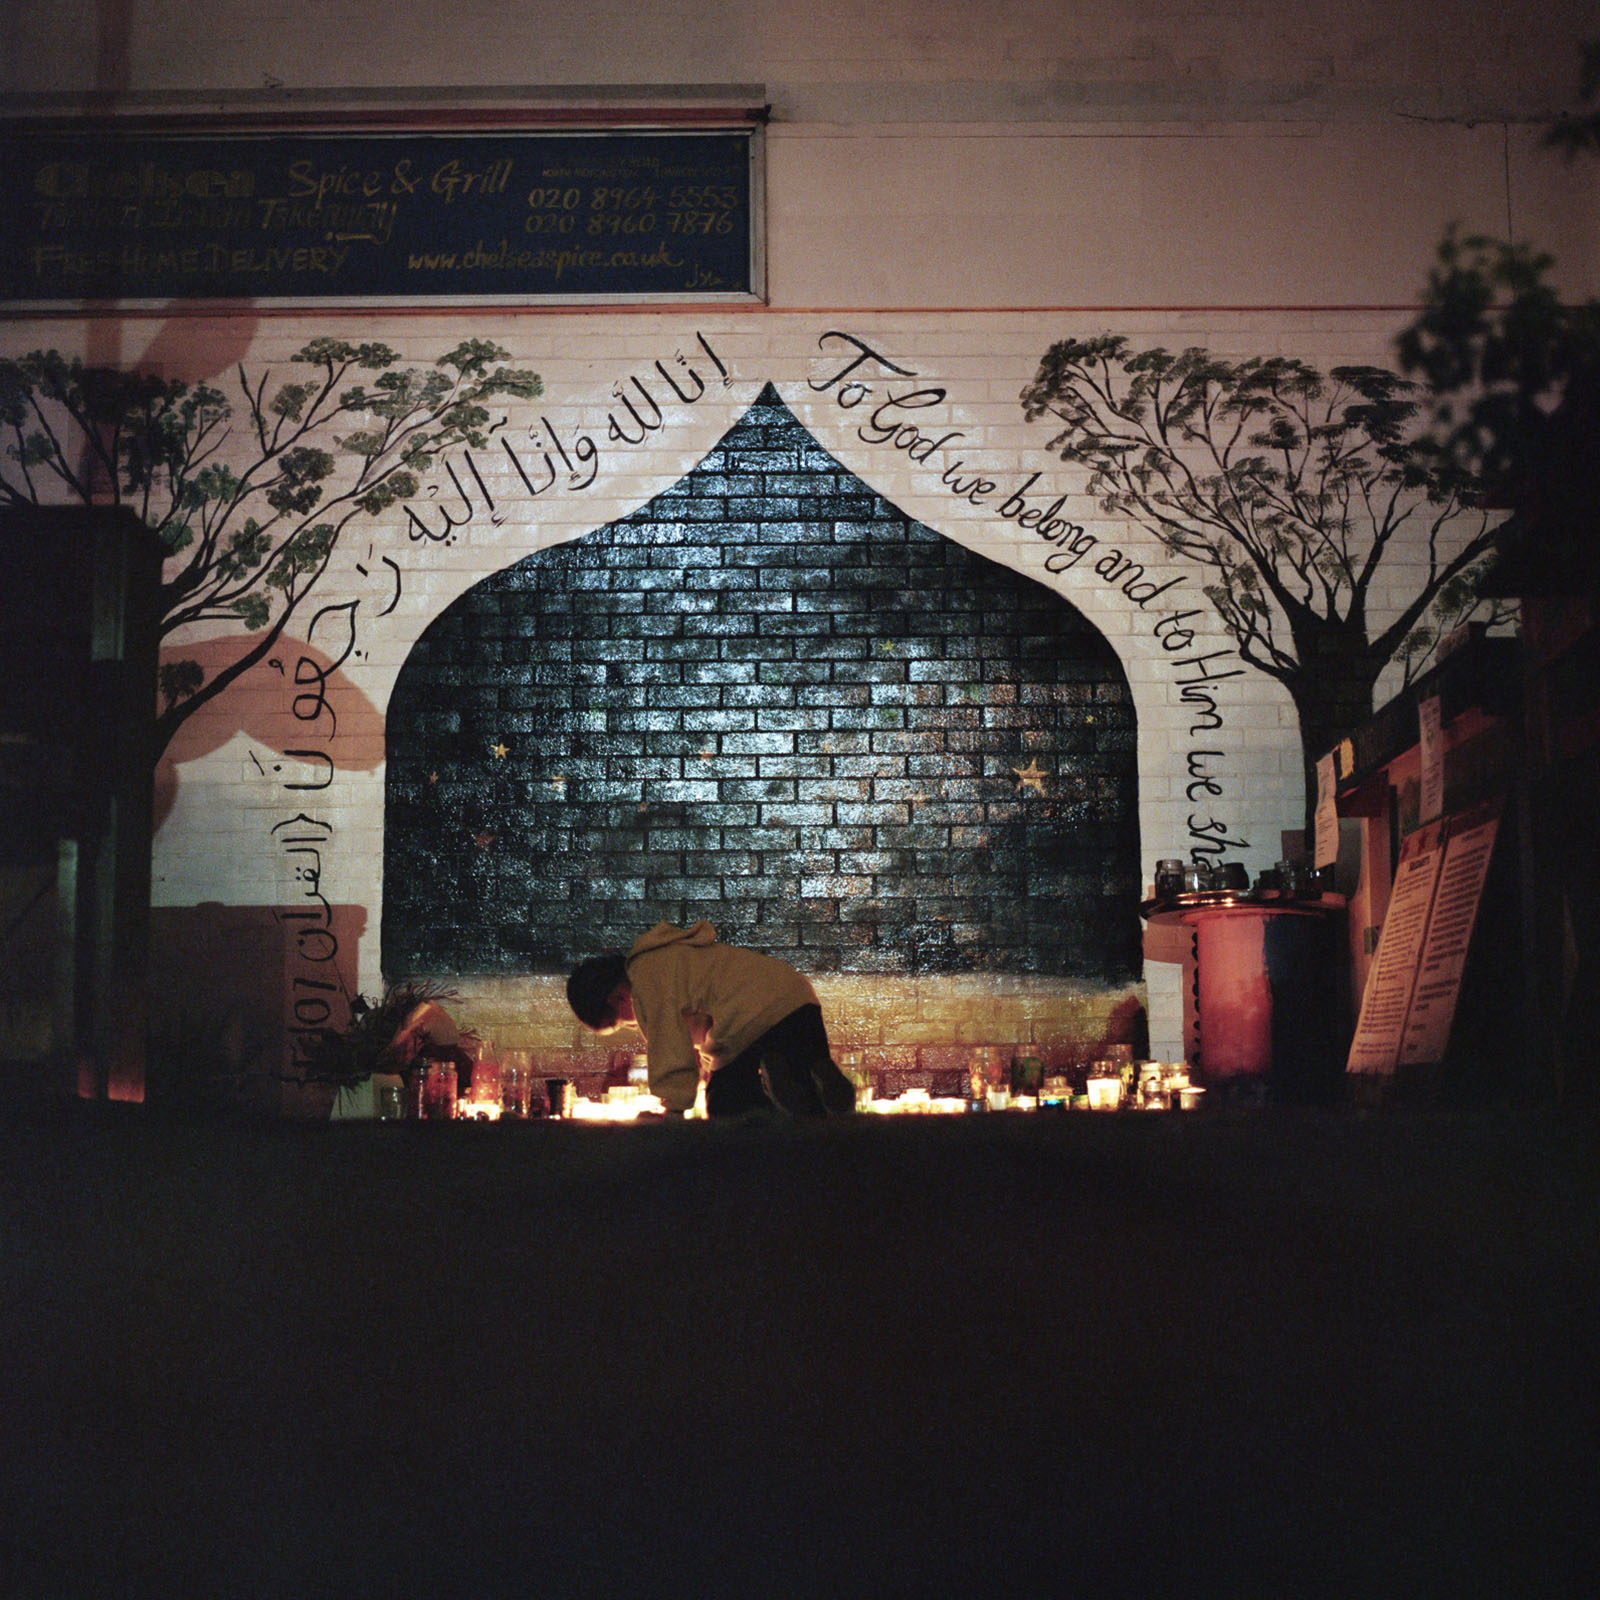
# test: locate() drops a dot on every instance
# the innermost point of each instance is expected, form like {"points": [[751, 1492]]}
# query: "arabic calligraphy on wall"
{"points": [[894, 407], [319, 976], [535, 461]]}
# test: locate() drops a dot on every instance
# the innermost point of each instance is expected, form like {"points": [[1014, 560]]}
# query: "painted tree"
{"points": [[248, 496], [1299, 492]]}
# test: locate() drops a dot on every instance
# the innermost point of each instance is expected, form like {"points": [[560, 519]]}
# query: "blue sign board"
{"points": [[121, 215]]}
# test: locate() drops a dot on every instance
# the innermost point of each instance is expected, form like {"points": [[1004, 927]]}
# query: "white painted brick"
{"points": [[216, 843]]}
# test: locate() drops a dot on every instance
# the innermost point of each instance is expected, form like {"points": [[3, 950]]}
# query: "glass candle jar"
{"points": [[516, 1083], [439, 1091]]}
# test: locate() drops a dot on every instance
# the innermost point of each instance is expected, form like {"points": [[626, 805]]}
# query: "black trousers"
{"points": [[790, 1066]]}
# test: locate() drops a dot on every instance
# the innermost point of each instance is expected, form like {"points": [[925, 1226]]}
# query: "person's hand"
{"points": [[699, 1025]]}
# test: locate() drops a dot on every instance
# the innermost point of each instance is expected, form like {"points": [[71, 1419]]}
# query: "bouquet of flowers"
{"points": [[407, 1025]]}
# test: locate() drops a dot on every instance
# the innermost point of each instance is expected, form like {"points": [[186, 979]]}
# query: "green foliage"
{"points": [[397, 486], [306, 552], [209, 483], [363, 442], [230, 486], [253, 610], [176, 536], [290, 401], [245, 551], [1515, 376], [298, 485], [1498, 349], [179, 680], [1577, 131]]}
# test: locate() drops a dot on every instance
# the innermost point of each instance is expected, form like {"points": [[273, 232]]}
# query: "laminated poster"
{"points": [[1444, 955], [1381, 1026], [1411, 994]]}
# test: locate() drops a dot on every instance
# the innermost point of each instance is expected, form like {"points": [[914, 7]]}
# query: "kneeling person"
{"points": [[749, 1019]]}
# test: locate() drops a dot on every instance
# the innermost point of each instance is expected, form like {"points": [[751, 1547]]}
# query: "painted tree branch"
{"points": [[1294, 488], [248, 498]]}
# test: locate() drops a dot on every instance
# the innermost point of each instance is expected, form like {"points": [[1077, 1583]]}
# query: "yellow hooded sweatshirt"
{"points": [[673, 970]]}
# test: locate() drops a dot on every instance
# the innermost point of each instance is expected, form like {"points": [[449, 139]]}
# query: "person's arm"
{"points": [[699, 1025], [675, 1062]]}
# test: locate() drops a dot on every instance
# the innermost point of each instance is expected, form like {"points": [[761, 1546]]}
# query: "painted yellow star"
{"points": [[1030, 777], [501, 751]]}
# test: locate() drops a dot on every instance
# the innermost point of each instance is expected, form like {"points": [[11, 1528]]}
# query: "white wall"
{"points": [[1012, 153], [957, 183], [836, 60], [235, 784]]}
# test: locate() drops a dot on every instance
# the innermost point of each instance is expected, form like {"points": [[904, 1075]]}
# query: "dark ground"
{"points": [[1273, 1353]]}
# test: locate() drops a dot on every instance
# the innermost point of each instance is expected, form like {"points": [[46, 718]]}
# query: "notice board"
{"points": [[1409, 1002], [126, 216]]}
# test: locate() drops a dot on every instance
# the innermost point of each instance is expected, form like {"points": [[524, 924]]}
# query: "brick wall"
{"points": [[770, 698], [296, 751], [958, 185]]}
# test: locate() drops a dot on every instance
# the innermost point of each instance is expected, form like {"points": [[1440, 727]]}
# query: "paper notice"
{"points": [[1431, 731], [1387, 998], [1326, 841], [1444, 952]]}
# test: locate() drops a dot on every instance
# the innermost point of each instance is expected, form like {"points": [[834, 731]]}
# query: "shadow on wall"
{"points": [[232, 988], [296, 704], [198, 350]]}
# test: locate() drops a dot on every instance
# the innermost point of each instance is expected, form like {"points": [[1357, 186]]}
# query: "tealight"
{"points": [[1105, 1094]]}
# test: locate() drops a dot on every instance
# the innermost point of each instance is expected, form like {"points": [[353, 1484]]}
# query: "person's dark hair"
{"points": [[592, 984]]}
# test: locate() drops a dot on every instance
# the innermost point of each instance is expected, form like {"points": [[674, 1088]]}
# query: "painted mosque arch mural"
{"points": [[771, 699]]}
